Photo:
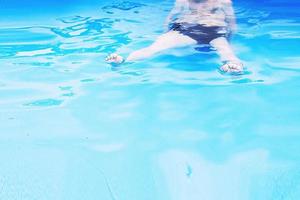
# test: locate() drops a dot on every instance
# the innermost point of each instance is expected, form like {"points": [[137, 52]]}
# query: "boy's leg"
{"points": [[171, 39], [227, 55]]}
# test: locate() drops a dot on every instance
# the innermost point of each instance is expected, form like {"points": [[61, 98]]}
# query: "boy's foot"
{"points": [[114, 59], [232, 67]]}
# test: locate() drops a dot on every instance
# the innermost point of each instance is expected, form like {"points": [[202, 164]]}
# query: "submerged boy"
{"points": [[193, 22]]}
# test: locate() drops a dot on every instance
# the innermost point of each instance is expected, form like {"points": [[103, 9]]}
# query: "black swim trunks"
{"points": [[202, 34]]}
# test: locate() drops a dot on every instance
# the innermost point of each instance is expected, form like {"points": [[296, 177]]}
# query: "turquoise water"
{"points": [[170, 127]]}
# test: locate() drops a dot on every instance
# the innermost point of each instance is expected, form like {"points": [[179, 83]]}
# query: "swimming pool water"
{"points": [[170, 127]]}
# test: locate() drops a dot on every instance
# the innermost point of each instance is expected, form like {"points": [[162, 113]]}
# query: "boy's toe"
{"points": [[114, 58], [232, 67]]}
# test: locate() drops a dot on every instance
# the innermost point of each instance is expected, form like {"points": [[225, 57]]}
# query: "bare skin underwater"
{"points": [[194, 22]]}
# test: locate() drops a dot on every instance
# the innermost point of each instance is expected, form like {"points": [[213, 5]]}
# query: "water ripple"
{"points": [[84, 35], [124, 5], [45, 103], [87, 28], [73, 19]]}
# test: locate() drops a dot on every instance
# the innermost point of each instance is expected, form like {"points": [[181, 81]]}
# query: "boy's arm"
{"points": [[230, 15]]}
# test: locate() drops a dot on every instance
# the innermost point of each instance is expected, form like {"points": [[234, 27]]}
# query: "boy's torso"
{"points": [[207, 13]]}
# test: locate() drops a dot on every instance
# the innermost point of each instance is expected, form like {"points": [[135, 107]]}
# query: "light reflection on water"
{"points": [[171, 127]]}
